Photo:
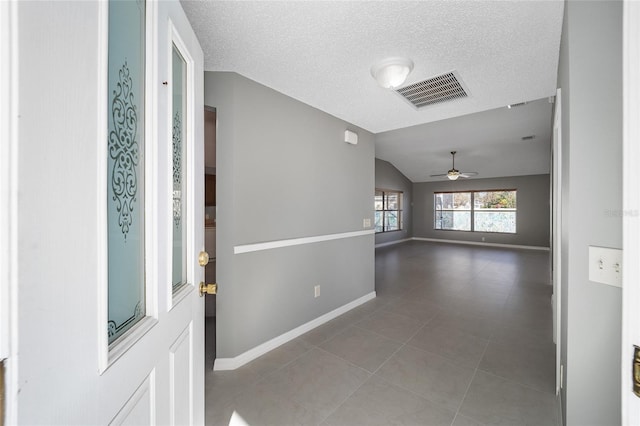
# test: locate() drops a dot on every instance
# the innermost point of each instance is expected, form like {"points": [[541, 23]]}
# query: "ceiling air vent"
{"points": [[441, 88], [519, 104]]}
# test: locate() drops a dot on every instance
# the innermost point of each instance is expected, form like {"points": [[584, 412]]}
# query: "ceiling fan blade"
{"points": [[440, 175], [468, 174]]}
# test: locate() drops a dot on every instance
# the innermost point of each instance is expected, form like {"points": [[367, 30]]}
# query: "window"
{"points": [[494, 211], [476, 211], [388, 206], [126, 175], [453, 211]]}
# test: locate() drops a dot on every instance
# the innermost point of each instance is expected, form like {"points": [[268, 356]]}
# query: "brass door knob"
{"points": [[208, 289], [203, 258]]}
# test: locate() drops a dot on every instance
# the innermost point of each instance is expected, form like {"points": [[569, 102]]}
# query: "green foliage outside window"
{"points": [[495, 200]]}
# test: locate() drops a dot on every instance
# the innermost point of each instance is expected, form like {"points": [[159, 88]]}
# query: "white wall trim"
{"points": [[101, 168], [247, 248], [6, 168], [391, 243], [556, 234], [476, 243], [9, 137], [630, 205], [248, 356]]}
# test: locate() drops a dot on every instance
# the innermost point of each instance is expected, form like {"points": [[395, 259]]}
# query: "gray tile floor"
{"points": [[458, 335]]}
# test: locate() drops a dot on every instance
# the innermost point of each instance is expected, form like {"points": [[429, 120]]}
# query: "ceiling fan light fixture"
{"points": [[392, 72], [453, 174]]}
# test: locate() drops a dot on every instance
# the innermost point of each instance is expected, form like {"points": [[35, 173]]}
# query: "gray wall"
{"points": [[590, 76], [284, 171], [532, 218], [388, 177]]}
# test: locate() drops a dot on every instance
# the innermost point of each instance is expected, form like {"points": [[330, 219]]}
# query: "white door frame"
{"points": [[556, 248], [631, 205], [8, 202]]}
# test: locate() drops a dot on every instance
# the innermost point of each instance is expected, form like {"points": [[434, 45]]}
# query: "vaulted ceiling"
{"points": [[321, 53]]}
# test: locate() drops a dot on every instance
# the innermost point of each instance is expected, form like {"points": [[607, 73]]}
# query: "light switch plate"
{"points": [[366, 222], [605, 265]]}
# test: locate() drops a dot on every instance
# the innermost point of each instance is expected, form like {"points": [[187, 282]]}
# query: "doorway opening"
{"points": [[210, 118]]}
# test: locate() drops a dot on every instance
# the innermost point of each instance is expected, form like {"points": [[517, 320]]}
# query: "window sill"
{"points": [[389, 232], [476, 232]]}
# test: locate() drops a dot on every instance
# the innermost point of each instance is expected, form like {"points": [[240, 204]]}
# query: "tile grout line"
{"points": [[266, 375], [517, 383], [399, 348], [404, 388], [372, 374], [389, 338], [475, 372], [354, 391], [335, 410], [406, 342]]}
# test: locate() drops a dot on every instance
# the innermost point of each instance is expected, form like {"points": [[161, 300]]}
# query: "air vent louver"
{"points": [[441, 88], [528, 138]]}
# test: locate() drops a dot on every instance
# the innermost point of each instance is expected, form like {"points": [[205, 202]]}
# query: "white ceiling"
{"points": [[321, 53], [488, 142]]}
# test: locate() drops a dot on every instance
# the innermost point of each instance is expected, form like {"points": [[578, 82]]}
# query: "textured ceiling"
{"points": [[321, 53]]}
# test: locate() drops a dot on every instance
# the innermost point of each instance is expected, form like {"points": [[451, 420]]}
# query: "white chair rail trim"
{"points": [[247, 248]]}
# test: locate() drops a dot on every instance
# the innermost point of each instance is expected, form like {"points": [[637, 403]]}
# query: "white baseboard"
{"points": [[390, 243], [222, 364], [479, 243]]}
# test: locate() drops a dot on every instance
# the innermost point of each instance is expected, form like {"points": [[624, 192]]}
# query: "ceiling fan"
{"points": [[454, 174]]}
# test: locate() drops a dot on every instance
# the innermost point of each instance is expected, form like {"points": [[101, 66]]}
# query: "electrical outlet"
{"points": [[316, 291], [605, 266]]}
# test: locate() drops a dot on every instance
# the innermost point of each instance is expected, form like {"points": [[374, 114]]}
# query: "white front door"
{"points": [[108, 324]]}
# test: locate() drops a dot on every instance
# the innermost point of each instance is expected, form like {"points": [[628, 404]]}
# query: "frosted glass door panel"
{"points": [[125, 179], [179, 86]]}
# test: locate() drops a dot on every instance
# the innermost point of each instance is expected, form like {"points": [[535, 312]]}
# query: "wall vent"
{"points": [[441, 88], [528, 138]]}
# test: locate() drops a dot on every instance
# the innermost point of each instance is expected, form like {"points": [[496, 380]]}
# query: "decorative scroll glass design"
{"points": [[179, 91], [125, 178]]}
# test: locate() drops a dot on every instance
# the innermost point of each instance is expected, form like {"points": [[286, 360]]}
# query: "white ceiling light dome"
{"points": [[453, 174], [392, 72]]}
